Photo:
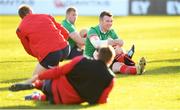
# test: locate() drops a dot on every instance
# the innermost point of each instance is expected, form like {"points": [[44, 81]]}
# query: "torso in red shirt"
{"points": [[40, 35]]}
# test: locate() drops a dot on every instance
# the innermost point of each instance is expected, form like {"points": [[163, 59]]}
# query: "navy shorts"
{"points": [[46, 89], [53, 58], [75, 52]]}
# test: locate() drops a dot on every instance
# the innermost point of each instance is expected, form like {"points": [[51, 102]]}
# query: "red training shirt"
{"points": [[40, 34], [62, 90]]}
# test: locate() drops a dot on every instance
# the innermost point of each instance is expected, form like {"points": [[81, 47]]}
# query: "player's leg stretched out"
{"points": [[28, 86], [124, 64]]}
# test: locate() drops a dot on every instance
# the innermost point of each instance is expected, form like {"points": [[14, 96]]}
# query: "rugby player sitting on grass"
{"points": [[76, 39], [102, 34]]}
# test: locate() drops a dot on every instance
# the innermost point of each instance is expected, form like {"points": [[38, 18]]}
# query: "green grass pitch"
{"points": [[157, 38]]}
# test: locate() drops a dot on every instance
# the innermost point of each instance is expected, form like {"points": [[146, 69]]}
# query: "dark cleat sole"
{"points": [[20, 86]]}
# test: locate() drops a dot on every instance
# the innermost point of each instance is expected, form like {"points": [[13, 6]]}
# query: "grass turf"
{"points": [[157, 38]]}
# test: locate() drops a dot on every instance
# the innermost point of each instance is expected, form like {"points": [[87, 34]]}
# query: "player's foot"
{"points": [[131, 51], [20, 86], [33, 96], [141, 66]]}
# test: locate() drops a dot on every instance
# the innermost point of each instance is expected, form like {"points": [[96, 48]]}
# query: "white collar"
{"points": [[101, 30]]}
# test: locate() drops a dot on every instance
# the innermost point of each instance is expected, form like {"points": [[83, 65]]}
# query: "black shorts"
{"points": [[75, 52], [53, 58], [46, 89]]}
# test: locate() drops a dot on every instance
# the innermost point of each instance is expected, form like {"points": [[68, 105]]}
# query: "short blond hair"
{"points": [[70, 9]]}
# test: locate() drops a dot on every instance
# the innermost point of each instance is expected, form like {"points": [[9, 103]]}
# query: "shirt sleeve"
{"points": [[93, 37], [70, 27], [96, 42], [104, 97], [59, 71], [92, 32]]}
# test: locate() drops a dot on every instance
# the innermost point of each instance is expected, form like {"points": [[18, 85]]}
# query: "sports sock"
{"points": [[43, 97], [124, 69], [131, 51], [120, 58], [36, 96], [123, 58]]}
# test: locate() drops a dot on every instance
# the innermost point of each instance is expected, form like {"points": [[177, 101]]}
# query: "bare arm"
{"points": [[96, 42], [77, 38]]}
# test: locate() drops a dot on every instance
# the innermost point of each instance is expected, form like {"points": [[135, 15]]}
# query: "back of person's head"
{"points": [[24, 10], [106, 54], [70, 9], [105, 13]]}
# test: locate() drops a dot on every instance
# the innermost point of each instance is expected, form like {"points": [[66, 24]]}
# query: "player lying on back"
{"points": [[80, 80]]}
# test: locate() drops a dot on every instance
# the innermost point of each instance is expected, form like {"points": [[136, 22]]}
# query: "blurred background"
{"points": [[94, 7], [152, 25]]}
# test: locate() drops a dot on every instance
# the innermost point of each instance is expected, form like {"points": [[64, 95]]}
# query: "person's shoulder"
{"points": [[67, 23], [70, 27], [112, 30], [64, 21], [86, 59], [94, 27], [40, 15]]}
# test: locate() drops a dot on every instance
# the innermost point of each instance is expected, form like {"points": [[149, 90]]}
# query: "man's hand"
{"points": [[34, 78], [119, 42], [115, 42], [111, 42]]}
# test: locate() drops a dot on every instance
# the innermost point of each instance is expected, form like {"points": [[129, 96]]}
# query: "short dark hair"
{"points": [[24, 10], [105, 13], [105, 54], [70, 9]]}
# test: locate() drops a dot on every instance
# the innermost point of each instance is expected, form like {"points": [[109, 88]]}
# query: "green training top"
{"points": [[71, 28], [89, 48]]}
